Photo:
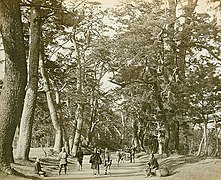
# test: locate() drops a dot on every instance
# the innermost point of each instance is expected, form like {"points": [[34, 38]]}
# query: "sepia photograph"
{"points": [[110, 89]]}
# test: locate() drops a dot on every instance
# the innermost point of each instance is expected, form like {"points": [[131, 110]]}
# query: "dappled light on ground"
{"points": [[180, 167]]}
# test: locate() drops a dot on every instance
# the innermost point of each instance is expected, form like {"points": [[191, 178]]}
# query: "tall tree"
{"points": [[51, 103], [80, 90], [24, 142], [13, 91]]}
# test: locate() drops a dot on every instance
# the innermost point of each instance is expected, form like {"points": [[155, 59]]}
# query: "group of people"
{"points": [[62, 157], [132, 154], [120, 156], [96, 159]]}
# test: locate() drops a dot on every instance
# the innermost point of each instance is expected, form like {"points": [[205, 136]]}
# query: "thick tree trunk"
{"points": [[159, 139], [160, 146], [89, 137], [203, 147], [217, 138], [71, 138], [205, 134], [93, 114], [51, 106], [176, 135], [167, 137], [200, 146], [162, 115], [66, 141], [123, 126], [13, 91], [24, 142], [91, 131], [79, 117], [135, 134], [58, 102], [80, 89]]}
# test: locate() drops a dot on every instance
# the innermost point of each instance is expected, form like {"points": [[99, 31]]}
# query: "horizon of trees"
{"points": [[164, 60]]}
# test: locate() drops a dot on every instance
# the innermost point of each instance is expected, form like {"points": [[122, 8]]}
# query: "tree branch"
{"points": [[208, 48]]}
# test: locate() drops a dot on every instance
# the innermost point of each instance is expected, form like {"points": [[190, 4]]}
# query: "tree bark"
{"points": [[123, 126], [205, 134], [58, 102], [176, 138], [181, 60], [135, 134], [71, 138], [93, 114], [80, 88], [217, 138], [162, 114], [200, 146], [24, 142], [159, 139], [203, 147], [79, 117], [13, 91], [51, 106]]}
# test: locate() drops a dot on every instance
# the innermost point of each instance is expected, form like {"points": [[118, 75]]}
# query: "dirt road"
{"points": [[125, 171], [181, 168]]}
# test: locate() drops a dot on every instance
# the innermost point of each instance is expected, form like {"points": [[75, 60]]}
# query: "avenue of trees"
{"points": [[162, 58]]}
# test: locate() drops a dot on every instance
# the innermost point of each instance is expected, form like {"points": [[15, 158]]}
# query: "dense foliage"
{"points": [[163, 60]]}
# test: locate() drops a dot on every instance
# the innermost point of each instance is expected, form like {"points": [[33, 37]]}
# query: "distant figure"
{"points": [[62, 157], [132, 154], [122, 155], [79, 156], [118, 157], [152, 166], [95, 161], [37, 167], [107, 161]]}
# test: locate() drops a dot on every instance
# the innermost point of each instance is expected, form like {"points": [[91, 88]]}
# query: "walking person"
{"points": [[122, 155], [118, 156], [37, 168], [62, 157], [95, 161], [80, 156], [107, 161], [132, 154]]}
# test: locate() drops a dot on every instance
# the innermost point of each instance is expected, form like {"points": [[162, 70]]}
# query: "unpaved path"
{"points": [[181, 168], [125, 170]]}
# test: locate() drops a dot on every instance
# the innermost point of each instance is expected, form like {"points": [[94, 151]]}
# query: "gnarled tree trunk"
{"points": [[13, 91], [24, 142]]}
